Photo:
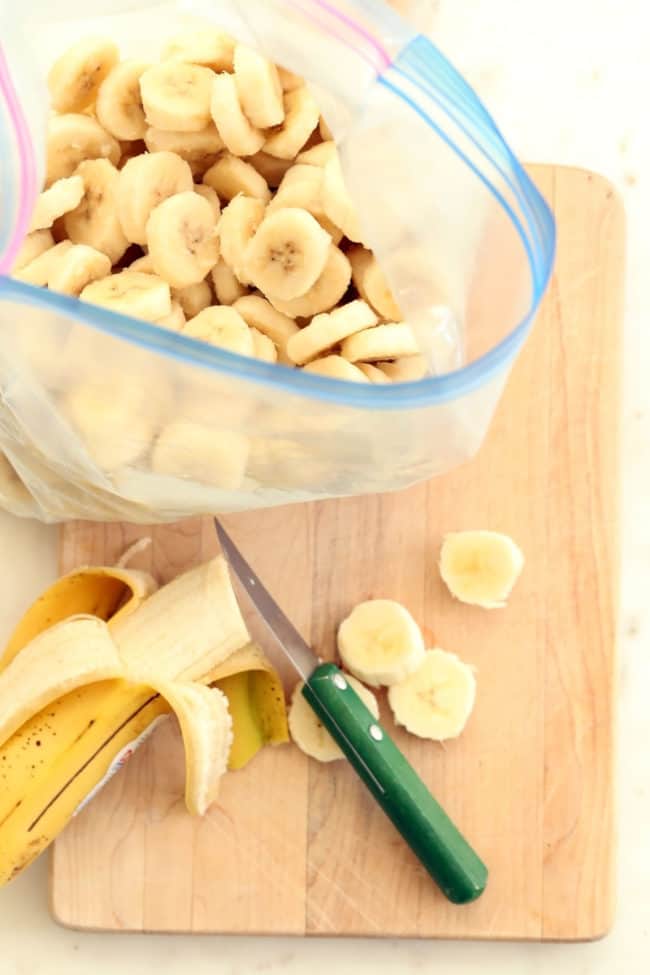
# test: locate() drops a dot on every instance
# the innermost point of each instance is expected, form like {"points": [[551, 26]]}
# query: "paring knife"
{"points": [[378, 762]]}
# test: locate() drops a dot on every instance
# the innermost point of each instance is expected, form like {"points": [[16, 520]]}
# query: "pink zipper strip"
{"points": [[27, 163], [379, 59]]}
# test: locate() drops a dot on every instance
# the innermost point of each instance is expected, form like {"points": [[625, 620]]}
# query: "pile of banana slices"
{"points": [[204, 194]]}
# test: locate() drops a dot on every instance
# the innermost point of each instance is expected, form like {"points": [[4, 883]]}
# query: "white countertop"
{"points": [[568, 81]]}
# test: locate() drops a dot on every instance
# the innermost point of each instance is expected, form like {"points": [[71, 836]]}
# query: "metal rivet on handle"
{"points": [[376, 732], [340, 681]]}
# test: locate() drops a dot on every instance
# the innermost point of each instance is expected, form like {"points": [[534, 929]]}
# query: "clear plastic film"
{"points": [[462, 234]]}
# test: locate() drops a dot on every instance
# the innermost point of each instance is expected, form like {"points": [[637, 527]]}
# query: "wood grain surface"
{"points": [[294, 847]]}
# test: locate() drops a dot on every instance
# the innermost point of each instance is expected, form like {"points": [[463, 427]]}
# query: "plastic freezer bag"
{"points": [[464, 238]]}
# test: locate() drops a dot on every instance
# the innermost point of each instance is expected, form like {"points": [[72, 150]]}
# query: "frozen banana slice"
{"points": [[32, 247], [119, 101], [371, 283], [131, 293], [287, 255], [95, 221], [199, 149], [196, 452], [240, 136], [480, 567], [302, 187], [372, 373], [227, 286], [76, 76], [263, 347], [380, 642], [272, 170], [60, 198], [327, 330], [73, 138], [318, 155], [206, 46], [259, 88], [261, 315], [390, 341], [231, 177], [289, 80], [336, 368], [223, 327], [308, 732], [176, 96], [300, 119], [182, 239], [406, 370], [237, 227], [337, 202], [143, 184], [78, 267], [435, 700], [325, 293], [39, 271], [194, 298], [175, 321], [211, 196]]}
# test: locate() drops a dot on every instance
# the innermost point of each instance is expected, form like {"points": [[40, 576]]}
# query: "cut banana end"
{"points": [[300, 119], [76, 76], [119, 102], [288, 254], [435, 700], [380, 642], [95, 222], [240, 136], [325, 293], [176, 96], [259, 88], [308, 732], [480, 567], [182, 239]]}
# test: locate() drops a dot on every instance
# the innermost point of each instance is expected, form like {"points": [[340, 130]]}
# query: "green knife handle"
{"points": [[396, 786]]}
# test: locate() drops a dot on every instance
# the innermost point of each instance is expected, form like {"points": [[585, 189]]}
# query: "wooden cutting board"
{"points": [[294, 847]]}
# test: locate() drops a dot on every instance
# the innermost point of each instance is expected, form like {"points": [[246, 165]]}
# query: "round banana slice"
{"points": [[337, 202], [308, 732], [199, 453], [325, 293], [207, 46], [211, 196], [237, 227], [327, 330], [301, 117], [143, 184], [32, 247], [289, 80], [389, 341], [176, 96], [40, 270], [231, 177], [288, 253], [435, 700], [271, 169], [182, 239], [238, 133], [406, 370], [73, 138], [95, 222], [263, 347], [227, 286], [318, 155], [380, 642], [78, 267], [261, 315], [76, 76], [119, 101], [199, 149], [370, 282], [194, 298], [223, 327], [175, 321], [60, 198], [259, 88], [372, 373], [114, 419], [336, 368], [131, 293], [480, 567], [302, 187]]}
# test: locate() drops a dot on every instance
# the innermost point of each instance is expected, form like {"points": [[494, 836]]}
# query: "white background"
{"points": [[569, 82]]}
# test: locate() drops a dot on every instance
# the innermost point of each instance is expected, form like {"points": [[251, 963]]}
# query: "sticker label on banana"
{"points": [[120, 761]]}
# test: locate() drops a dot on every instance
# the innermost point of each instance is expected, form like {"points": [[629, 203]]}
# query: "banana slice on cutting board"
{"points": [[119, 105], [436, 700], [380, 642], [308, 732], [480, 567], [75, 78], [182, 239], [288, 254], [176, 96]]}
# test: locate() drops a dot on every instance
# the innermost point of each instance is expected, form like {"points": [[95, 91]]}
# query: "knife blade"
{"points": [[394, 783]]}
